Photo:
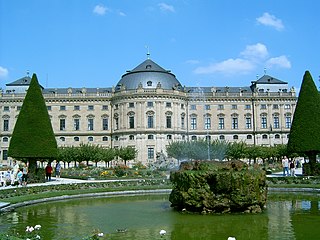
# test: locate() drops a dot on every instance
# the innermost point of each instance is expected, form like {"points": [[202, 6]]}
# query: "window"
{"points": [[220, 107], [76, 139], [105, 107], [249, 137], [150, 137], [62, 139], [18, 108], [4, 154], [168, 104], [131, 105], [193, 122], [131, 137], [263, 106], [116, 106], [49, 108], [90, 124], [275, 106], [6, 109], [288, 121], [207, 107], [131, 121], [263, 121], [76, 124], [233, 106], [221, 137], [150, 121], [276, 122], [62, 108], [287, 106], [277, 136], [207, 122], [105, 123], [264, 136], [104, 139], [62, 124], [169, 137], [5, 139], [182, 121], [150, 153], [221, 123], [208, 138], [149, 104], [116, 123], [247, 107], [6, 125], [234, 123], [182, 106], [168, 120], [248, 123], [90, 107], [194, 138], [149, 83], [235, 137], [193, 107], [90, 139], [76, 108], [116, 138]]}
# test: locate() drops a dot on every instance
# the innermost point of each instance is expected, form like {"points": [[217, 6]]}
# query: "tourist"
{"points": [[24, 174], [285, 166], [15, 169], [49, 171], [58, 170], [19, 177], [292, 169]]}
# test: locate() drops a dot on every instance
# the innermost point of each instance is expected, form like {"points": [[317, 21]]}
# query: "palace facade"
{"points": [[148, 108]]}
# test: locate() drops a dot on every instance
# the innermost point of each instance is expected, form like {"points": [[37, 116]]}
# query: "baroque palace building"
{"points": [[148, 108]]}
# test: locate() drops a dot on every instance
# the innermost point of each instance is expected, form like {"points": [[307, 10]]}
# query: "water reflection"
{"points": [[145, 216]]}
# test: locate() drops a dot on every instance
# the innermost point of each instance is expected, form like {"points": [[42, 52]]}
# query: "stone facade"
{"points": [[155, 109]]}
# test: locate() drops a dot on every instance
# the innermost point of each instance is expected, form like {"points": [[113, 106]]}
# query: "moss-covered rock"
{"points": [[218, 187]]}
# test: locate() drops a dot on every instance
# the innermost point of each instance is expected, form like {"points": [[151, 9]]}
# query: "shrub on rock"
{"points": [[218, 187]]}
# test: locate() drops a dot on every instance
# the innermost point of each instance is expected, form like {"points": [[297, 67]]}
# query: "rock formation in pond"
{"points": [[218, 187]]}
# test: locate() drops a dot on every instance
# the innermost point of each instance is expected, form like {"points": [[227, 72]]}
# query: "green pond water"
{"points": [[287, 216]]}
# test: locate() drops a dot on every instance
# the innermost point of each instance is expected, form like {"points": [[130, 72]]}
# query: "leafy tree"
{"points": [[33, 138], [127, 154], [178, 150], [106, 155], [305, 129], [236, 150]]}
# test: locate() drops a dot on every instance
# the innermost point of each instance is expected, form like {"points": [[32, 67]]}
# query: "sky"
{"points": [[89, 43]]}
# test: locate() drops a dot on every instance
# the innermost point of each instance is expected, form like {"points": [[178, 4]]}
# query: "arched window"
{"points": [[264, 136], [76, 139], [5, 139], [249, 137], [104, 139], [90, 139], [62, 139], [221, 137], [235, 137], [277, 136]]}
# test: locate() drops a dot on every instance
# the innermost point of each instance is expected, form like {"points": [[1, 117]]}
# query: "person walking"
{"points": [[24, 175], [58, 170], [285, 166], [49, 171], [292, 169]]}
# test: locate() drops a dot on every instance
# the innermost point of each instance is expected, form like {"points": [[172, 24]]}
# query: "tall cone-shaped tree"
{"points": [[33, 138], [305, 129]]}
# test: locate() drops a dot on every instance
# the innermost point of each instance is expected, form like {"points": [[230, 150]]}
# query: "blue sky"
{"points": [[89, 43]]}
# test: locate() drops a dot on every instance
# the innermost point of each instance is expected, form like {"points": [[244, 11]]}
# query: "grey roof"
{"points": [[77, 90], [266, 79], [217, 89], [25, 81], [148, 75]]}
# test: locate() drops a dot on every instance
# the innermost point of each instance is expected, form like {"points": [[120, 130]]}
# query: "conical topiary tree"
{"points": [[305, 129], [33, 136]]}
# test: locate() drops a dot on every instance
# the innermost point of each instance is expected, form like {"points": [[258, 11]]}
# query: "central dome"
{"points": [[148, 75]]}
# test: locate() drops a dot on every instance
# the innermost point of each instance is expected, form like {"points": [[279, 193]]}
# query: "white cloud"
{"points": [[281, 62], [270, 20], [122, 14], [3, 72], [166, 8], [228, 67], [192, 61], [255, 52], [100, 10]]}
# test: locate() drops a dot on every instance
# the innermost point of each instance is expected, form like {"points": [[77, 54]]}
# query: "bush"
{"points": [[306, 169]]}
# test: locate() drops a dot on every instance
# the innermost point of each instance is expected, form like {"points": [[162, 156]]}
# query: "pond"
{"points": [[287, 216]]}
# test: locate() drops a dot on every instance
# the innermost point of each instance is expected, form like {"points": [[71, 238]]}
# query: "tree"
{"points": [[33, 138], [305, 129], [127, 154]]}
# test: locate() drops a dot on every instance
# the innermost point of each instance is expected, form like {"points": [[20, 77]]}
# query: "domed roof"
{"points": [[148, 75]]}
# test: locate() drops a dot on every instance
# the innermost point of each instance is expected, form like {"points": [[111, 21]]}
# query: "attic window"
{"points": [[149, 83], [148, 66]]}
